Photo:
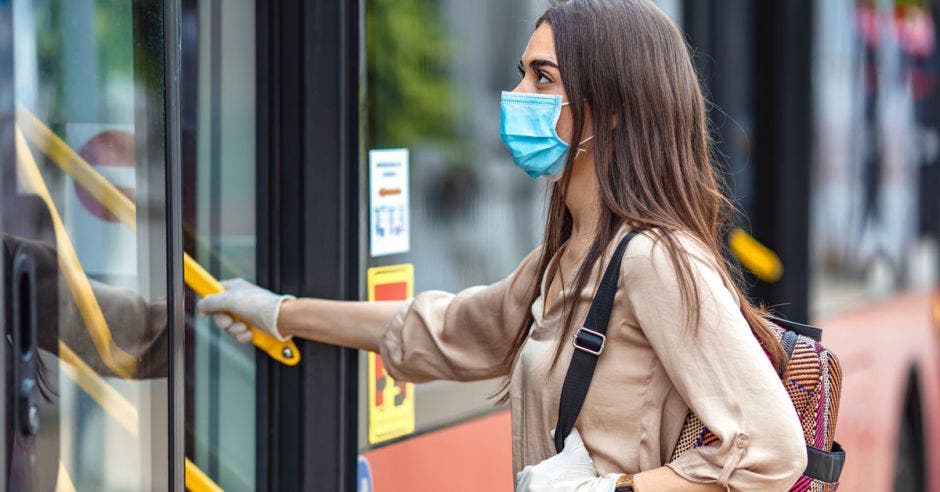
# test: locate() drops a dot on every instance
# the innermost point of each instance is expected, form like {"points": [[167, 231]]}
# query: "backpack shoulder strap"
{"points": [[589, 342]]}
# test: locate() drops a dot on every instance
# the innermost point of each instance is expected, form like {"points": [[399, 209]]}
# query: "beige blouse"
{"points": [[652, 372]]}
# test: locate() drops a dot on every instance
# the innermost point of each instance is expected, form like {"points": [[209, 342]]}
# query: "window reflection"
{"points": [[95, 282]]}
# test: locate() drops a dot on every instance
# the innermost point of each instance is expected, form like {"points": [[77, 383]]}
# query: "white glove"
{"points": [[244, 302], [571, 470]]}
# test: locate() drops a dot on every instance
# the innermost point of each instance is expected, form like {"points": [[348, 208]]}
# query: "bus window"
{"points": [[435, 70], [218, 120], [874, 206]]}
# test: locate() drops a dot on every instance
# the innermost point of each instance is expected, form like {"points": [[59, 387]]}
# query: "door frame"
{"points": [[309, 232], [176, 322]]}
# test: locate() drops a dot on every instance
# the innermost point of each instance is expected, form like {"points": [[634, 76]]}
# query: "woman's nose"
{"points": [[523, 87]]}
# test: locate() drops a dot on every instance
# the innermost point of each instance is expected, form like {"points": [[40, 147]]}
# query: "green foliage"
{"points": [[112, 39], [408, 54], [113, 31]]}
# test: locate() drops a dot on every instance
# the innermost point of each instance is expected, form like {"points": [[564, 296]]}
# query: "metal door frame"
{"points": [[309, 232], [176, 323]]}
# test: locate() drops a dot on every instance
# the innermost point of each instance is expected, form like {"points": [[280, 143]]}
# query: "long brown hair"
{"points": [[629, 62]]}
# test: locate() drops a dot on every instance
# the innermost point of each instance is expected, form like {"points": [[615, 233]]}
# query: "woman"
{"points": [[615, 77]]}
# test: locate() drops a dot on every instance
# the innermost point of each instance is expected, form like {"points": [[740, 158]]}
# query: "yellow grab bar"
{"points": [[121, 410], [757, 258], [198, 481], [204, 284], [119, 361], [196, 277]]}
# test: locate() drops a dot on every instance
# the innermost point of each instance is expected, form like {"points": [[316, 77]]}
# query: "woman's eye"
{"points": [[543, 79]]}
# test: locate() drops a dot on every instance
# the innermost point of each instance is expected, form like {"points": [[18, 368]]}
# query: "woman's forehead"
{"points": [[541, 45]]}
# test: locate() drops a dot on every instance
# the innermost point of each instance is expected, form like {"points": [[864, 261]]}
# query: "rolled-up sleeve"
{"points": [[719, 369], [459, 337]]}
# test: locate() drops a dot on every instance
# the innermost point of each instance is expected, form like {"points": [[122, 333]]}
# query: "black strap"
{"points": [[798, 328], [589, 342], [789, 342], [825, 465]]}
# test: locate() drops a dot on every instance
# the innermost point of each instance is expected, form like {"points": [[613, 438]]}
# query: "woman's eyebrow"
{"points": [[541, 62]]}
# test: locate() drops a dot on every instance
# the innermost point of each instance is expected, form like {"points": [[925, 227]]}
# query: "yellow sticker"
{"points": [[391, 403]]}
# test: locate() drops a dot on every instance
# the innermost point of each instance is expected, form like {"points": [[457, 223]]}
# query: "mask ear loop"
{"points": [[580, 149]]}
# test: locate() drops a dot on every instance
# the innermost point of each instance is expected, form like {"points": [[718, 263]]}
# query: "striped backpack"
{"points": [[813, 379]]}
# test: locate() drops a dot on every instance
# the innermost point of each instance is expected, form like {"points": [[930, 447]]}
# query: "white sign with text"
{"points": [[389, 229]]}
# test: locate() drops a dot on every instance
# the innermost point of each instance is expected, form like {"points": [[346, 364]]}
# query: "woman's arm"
{"points": [[354, 324], [436, 335], [663, 478], [719, 369], [573, 469]]}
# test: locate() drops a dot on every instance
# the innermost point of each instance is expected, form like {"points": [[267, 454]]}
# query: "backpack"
{"points": [[812, 378]]}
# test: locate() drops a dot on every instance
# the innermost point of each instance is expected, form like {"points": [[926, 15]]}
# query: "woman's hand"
{"points": [[244, 302], [568, 471]]}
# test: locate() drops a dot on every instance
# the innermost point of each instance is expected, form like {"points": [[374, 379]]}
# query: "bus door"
{"points": [[91, 287]]}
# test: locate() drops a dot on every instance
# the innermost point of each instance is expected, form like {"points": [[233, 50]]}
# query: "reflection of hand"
{"points": [[244, 302], [570, 470]]}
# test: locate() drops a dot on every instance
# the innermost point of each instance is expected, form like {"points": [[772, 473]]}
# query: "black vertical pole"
{"points": [[308, 190], [189, 124], [783, 34]]}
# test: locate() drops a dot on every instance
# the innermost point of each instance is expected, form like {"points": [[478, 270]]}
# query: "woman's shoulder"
{"points": [[653, 245], [648, 254]]}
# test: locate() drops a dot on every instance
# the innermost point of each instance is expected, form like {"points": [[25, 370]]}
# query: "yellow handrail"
{"points": [[119, 361], [121, 410], [196, 277], [204, 284], [757, 258]]}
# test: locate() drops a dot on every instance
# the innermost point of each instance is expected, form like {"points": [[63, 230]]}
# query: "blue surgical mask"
{"points": [[527, 127]]}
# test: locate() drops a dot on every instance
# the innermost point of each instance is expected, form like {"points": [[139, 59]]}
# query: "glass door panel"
{"points": [[218, 90], [85, 248]]}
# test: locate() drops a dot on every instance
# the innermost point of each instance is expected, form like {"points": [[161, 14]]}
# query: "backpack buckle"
{"points": [[589, 341]]}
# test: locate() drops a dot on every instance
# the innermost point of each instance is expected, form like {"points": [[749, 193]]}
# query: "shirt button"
{"points": [[742, 442]]}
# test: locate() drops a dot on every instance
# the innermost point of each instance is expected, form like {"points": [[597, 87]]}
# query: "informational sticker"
{"points": [[391, 403], [389, 229]]}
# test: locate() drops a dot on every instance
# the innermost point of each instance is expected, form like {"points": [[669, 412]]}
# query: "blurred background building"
{"points": [[241, 131]]}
